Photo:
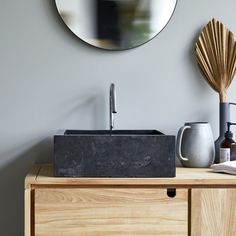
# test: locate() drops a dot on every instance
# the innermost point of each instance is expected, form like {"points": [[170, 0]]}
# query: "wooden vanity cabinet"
{"points": [[197, 202]]}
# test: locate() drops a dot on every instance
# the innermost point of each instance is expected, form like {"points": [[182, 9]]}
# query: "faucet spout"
{"points": [[112, 104]]}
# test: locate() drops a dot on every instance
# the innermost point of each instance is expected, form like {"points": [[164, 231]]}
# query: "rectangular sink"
{"points": [[125, 153]]}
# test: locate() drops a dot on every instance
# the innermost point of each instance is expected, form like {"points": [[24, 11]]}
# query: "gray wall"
{"points": [[51, 80]]}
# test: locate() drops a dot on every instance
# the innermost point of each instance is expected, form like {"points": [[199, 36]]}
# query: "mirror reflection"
{"points": [[116, 24]]}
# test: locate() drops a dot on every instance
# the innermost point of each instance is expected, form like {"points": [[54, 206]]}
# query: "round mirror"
{"points": [[116, 24]]}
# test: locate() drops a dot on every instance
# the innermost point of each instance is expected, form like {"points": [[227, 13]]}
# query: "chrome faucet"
{"points": [[112, 104]]}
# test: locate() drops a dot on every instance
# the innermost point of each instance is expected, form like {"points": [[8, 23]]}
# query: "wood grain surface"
{"points": [[110, 212], [185, 177], [27, 212], [32, 175], [213, 212]]}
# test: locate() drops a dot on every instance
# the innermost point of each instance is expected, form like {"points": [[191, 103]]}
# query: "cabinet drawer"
{"points": [[213, 212], [98, 211]]}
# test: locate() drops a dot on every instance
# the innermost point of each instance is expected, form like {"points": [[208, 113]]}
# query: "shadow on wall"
{"points": [[12, 188], [200, 83], [18, 160], [82, 112]]}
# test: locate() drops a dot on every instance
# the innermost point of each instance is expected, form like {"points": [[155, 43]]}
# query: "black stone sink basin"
{"points": [[122, 153]]}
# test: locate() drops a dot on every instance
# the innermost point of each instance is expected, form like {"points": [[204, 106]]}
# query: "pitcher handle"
{"points": [[179, 143]]}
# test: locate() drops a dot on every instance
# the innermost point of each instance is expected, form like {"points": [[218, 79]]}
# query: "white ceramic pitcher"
{"points": [[195, 145]]}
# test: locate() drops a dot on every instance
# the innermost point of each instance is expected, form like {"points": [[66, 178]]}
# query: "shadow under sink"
{"points": [[120, 153]]}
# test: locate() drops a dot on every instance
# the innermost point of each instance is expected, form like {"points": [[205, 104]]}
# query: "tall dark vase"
{"points": [[224, 110]]}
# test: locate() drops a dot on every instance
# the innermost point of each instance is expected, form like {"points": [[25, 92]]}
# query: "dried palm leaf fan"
{"points": [[216, 58]]}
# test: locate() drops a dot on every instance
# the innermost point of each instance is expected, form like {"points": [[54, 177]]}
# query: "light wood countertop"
{"points": [[192, 177]]}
